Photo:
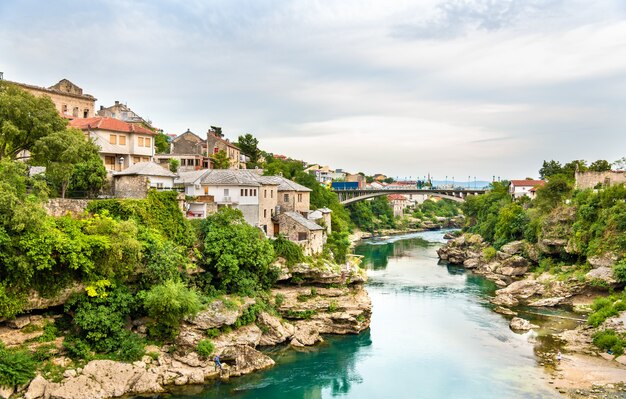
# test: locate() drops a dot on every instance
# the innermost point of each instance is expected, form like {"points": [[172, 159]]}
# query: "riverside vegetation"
{"points": [[130, 296], [566, 248]]}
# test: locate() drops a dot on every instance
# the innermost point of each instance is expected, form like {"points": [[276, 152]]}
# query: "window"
{"points": [[75, 112], [140, 141], [159, 185], [299, 197], [254, 193], [109, 160], [112, 139], [241, 192], [226, 192], [64, 108], [271, 193], [286, 198], [264, 193], [302, 236], [136, 159], [121, 140], [246, 192], [265, 213], [215, 150], [145, 159], [147, 142], [86, 113]]}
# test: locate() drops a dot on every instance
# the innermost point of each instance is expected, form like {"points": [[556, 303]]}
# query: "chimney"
{"points": [[117, 102], [101, 107]]}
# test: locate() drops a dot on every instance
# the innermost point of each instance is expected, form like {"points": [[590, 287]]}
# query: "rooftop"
{"points": [[230, 177], [527, 183], [298, 218], [145, 169], [111, 124]]}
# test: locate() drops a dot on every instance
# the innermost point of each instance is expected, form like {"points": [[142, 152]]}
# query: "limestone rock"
{"points": [[514, 266], [471, 263], [505, 300], [19, 322], [218, 314], [305, 335], [36, 388], [520, 324], [274, 330], [329, 273], [514, 248], [601, 273], [6, 392], [548, 302], [244, 359], [607, 259], [249, 335], [523, 289], [504, 311], [13, 337]]}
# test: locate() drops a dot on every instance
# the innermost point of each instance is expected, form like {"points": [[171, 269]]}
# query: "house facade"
{"points": [[67, 97], [122, 112], [398, 202], [521, 188], [215, 143], [306, 233], [122, 144], [322, 174], [190, 150], [136, 180]]}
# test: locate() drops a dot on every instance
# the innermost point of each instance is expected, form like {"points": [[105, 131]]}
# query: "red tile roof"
{"points": [[527, 183], [111, 124], [398, 197]]}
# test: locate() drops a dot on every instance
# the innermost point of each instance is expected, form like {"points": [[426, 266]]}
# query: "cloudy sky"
{"points": [[447, 87]]}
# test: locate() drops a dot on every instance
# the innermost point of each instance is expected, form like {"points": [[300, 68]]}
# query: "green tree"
{"points": [[550, 168], [620, 164], [167, 304], [174, 165], [236, 254], [60, 152], [162, 143], [570, 168], [249, 146], [89, 176], [24, 119], [600, 165], [553, 193], [216, 130], [220, 160]]}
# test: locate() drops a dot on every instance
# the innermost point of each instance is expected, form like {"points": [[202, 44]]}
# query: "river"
{"points": [[433, 335]]}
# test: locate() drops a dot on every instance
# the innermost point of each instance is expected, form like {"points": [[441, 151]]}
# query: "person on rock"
{"points": [[216, 359]]}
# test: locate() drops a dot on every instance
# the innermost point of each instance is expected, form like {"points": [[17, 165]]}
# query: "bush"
{"points": [[619, 271], [279, 299], [609, 340], [17, 367], [605, 308], [489, 253], [288, 250], [167, 304], [205, 348]]}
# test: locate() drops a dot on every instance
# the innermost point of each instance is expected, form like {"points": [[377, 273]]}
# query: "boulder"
{"points": [[547, 302], [471, 263], [19, 322], [274, 330], [504, 311], [514, 248], [217, 314], [249, 335], [244, 360], [514, 266], [607, 259], [601, 273], [523, 289], [519, 324], [505, 300], [6, 392], [36, 388], [306, 334]]}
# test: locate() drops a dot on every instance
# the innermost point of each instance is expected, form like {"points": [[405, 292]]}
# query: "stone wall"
{"points": [[65, 103], [61, 206], [131, 186], [294, 203], [586, 180], [290, 228], [268, 196]]}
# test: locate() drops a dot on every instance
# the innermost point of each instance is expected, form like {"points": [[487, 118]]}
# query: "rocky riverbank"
{"points": [[309, 301], [584, 369], [412, 225]]}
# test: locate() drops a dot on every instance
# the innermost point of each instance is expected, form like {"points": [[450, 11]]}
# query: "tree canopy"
{"points": [[220, 160]]}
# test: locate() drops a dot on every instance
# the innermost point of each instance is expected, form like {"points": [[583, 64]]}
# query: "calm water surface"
{"points": [[432, 336]]}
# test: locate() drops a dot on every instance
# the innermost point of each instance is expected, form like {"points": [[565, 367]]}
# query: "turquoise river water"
{"points": [[433, 335]]}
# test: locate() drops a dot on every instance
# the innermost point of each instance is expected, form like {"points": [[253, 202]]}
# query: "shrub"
{"points": [[619, 271], [279, 299], [288, 250], [167, 304], [205, 348], [609, 340], [489, 253], [338, 244], [17, 367]]}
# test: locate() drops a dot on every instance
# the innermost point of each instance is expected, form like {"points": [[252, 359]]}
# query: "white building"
{"points": [[520, 188]]}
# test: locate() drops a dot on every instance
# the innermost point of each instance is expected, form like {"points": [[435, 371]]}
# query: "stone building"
{"points": [[309, 235], [215, 143], [586, 180], [398, 202], [68, 98], [521, 188], [122, 112], [292, 197], [356, 178], [122, 144], [136, 180], [190, 150]]}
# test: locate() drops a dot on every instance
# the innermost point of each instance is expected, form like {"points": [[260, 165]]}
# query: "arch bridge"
{"points": [[350, 196]]}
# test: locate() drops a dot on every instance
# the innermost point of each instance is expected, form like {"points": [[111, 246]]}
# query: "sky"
{"points": [[459, 88]]}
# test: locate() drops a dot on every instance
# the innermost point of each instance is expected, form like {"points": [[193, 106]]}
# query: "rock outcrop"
{"points": [[519, 324]]}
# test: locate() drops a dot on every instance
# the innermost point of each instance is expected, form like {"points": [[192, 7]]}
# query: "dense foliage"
{"points": [[17, 367], [236, 254], [288, 250], [430, 209], [372, 215]]}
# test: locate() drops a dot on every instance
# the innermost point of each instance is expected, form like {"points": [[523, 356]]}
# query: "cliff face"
{"points": [[330, 299]]}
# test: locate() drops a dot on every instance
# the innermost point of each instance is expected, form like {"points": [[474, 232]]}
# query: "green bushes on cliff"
{"points": [[430, 209], [288, 250], [167, 304], [236, 254], [17, 367], [372, 215]]}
